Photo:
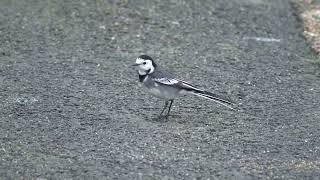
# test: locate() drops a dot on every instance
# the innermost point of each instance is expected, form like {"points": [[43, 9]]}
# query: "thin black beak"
{"points": [[135, 64]]}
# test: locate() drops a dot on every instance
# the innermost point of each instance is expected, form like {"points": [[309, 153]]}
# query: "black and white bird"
{"points": [[165, 86]]}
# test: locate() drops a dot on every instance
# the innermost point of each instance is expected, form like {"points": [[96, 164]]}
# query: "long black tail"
{"points": [[205, 94], [214, 97]]}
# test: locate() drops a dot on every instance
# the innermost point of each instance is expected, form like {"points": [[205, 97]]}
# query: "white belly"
{"points": [[156, 92], [163, 93]]}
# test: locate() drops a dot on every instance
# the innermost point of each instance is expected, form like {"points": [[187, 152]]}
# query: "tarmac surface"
{"points": [[71, 107]]}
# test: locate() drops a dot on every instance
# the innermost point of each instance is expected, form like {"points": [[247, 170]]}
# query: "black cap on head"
{"points": [[146, 57]]}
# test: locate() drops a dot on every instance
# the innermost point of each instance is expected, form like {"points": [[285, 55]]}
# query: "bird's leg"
{"points": [[171, 102], [165, 106]]}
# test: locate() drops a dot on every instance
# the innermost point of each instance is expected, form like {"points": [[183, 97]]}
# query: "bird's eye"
{"points": [[144, 63]]}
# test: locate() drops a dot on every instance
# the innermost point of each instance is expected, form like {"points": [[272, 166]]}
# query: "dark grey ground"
{"points": [[71, 107]]}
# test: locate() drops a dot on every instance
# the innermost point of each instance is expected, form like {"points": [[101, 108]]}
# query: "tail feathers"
{"points": [[214, 97], [205, 94]]}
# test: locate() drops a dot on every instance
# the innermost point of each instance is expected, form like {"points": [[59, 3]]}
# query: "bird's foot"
{"points": [[163, 117]]}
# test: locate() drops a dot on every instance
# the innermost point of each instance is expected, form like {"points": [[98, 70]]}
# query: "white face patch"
{"points": [[139, 61], [144, 66]]}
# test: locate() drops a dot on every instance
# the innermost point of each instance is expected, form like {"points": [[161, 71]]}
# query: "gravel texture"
{"points": [[70, 106]]}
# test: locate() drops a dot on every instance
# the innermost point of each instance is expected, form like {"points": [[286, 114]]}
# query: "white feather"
{"points": [[166, 81], [213, 100]]}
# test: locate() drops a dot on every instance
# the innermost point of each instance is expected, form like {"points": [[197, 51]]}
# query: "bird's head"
{"points": [[145, 65]]}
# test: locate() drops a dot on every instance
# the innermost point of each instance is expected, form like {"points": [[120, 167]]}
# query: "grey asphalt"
{"points": [[71, 107]]}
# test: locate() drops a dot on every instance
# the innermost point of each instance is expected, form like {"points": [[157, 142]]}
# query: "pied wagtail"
{"points": [[165, 86]]}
